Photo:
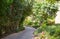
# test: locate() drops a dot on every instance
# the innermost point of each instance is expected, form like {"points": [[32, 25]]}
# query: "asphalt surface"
{"points": [[26, 34]]}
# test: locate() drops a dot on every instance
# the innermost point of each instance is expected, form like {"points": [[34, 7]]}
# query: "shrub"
{"points": [[53, 31]]}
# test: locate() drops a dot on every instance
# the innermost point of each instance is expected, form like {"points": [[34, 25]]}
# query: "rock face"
{"points": [[57, 19]]}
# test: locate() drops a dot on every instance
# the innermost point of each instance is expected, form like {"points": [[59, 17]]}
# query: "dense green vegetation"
{"points": [[43, 13], [12, 15], [49, 30], [43, 18]]}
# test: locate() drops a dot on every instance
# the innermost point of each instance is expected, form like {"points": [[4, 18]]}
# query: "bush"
{"points": [[52, 30]]}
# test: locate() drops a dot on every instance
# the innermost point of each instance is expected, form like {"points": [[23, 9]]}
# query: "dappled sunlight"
{"points": [[30, 19]]}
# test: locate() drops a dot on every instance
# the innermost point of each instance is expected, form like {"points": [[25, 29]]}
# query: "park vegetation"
{"points": [[43, 19], [12, 15], [40, 14]]}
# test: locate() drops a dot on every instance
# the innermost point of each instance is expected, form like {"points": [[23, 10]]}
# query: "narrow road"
{"points": [[26, 34]]}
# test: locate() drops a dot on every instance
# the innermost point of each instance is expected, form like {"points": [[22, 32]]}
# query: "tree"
{"points": [[43, 13], [12, 15]]}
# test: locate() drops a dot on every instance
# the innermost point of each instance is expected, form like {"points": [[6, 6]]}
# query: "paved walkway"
{"points": [[26, 34]]}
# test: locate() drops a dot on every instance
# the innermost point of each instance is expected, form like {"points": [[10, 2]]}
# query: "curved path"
{"points": [[26, 34]]}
